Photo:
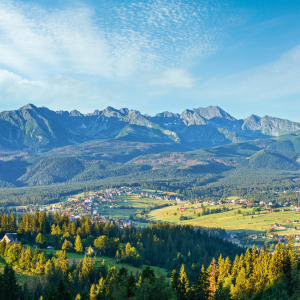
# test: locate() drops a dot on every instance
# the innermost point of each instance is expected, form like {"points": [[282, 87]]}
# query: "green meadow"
{"points": [[231, 220], [112, 262]]}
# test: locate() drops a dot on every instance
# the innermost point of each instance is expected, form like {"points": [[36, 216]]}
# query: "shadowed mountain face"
{"points": [[36, 128]]}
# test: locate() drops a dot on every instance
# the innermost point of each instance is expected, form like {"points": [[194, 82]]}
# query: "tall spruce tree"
{"points": [[199, 290], [183, 285], [213, 276], [10, 286], [222, 293], [78, 244]]}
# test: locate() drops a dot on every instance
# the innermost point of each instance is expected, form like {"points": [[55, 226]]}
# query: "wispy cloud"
{"points": [[277, 79], [58, 93], [173, 78], [112, 40]]}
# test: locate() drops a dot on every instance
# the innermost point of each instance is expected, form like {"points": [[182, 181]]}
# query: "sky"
{"points": [[152, 56]]}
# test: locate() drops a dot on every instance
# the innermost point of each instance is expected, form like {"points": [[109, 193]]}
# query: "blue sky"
{"points": [[158, 55]]}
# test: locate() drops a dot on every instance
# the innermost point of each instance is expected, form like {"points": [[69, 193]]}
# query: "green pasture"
{"points": [[112, 262], [134, 202], [158, 192], [230, 221], [233, 198], [33, 279]]}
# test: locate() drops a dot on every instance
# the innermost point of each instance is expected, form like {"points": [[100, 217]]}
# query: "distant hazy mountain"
{"points": [[36, 128]]}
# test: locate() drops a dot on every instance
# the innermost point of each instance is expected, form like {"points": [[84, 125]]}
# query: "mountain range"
{"points": [[44, 153], [41, 129]]}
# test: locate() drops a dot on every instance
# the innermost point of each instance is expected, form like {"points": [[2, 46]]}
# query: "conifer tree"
{"points": [[276, 292], [62, 290], [2, 248], [10, 286], [242, 285], [87, 267], [254, 256], [248, 263], [22, 261], [213, 277], [235, 268], [101, 289], [221, 293], [93, 292], [174, 279], [38, 292], [12, 223], [277, 261], [63, 261], [199, 290], [78, 244], [51, 293], [181, 283], [130, 286], [221, 269], [49, 271]]}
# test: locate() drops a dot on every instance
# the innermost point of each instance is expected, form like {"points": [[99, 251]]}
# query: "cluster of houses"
{"points": [[93, 205]]}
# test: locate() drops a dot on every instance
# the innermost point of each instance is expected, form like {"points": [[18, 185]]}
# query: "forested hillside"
{"points": [[258, 168], [199, 263], [53, 154]]}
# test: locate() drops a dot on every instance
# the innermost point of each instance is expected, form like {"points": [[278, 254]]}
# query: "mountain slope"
{"points": [[94, 161], [33, 129]]}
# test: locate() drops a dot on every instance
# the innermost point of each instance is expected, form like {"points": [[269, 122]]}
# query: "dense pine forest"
{"points": [[200, 264], [163, 245]]}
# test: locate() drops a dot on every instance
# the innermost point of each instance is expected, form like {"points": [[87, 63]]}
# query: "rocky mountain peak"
{"points": [[39, 128], [211, 112], [76, 113], [28, 106]]}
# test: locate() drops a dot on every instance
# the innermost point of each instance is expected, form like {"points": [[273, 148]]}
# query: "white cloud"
{"points": [[58, 93], [63, 92], [173, 78], [113, 40]]}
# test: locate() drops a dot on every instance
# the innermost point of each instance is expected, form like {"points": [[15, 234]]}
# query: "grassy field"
{"points": [[112, 262], [231, 221], [233, 198], [158, 192], [109, 261], [31, 279], [135, 203]]}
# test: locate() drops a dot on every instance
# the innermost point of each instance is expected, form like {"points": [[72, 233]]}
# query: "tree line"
{"points": [[160, 244], [255, 275]]}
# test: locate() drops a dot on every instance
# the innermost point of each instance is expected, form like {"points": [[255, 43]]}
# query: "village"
{"points": [[99, 205], [132, 206]]}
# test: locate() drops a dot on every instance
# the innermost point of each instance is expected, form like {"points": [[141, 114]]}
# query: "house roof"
{"points": [[11, 236]]}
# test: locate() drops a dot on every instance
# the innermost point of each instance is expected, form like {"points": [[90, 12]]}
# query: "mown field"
{"points": [[131, 201], [231, 221], [136, 204]]}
